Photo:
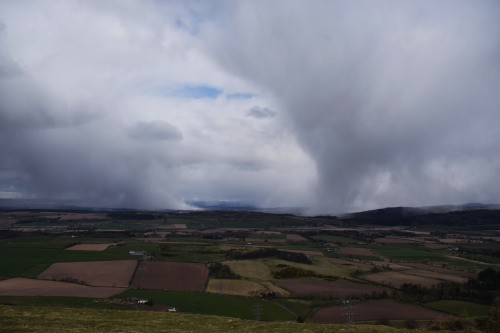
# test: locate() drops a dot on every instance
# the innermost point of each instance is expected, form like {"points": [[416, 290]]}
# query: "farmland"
{"points": [[247, 265]]}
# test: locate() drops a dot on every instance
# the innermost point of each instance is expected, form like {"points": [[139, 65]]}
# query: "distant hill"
{"points": [[472, 215]]}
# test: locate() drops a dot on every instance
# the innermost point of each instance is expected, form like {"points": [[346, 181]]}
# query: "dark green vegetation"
{"points": [[269, 253], [249, 253], [214, 304]]}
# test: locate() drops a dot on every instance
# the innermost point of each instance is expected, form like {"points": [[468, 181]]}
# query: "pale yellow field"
{"points": [[252, 269], [242, 287]]}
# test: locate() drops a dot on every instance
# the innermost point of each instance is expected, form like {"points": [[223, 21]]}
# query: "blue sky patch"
{"points": [[191, 91]]}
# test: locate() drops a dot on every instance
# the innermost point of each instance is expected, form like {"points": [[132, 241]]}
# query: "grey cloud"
{"points": [[155, 130], [382, 96], [395, 102], [260, 112]]}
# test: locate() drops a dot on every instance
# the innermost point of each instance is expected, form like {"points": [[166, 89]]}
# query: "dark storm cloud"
{"points": [[395, 101], [260, 112], [380, 103], [117, 104]]}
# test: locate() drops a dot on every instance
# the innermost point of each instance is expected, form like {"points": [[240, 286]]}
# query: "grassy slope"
{"points": [[44, 319], [457, 307]]}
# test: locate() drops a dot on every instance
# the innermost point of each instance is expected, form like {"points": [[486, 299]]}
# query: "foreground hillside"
{"points": [[46, 319]]}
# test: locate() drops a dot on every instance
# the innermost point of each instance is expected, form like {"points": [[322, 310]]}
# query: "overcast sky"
{"points": [[334, 106]]}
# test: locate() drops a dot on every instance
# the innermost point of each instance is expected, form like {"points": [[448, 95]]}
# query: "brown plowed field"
{"points": [[322, 288], [171, 276], [357, 251], [90, 247], [30, 287], [440, 270], [373, 310], [115, 273], [396, 279]]}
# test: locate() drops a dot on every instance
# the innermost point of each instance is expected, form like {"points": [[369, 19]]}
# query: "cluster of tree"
{"points": [[484, 251], [483, 289], [293, 272], [268, 253], [130, 216], [296, 272], [240, 234], [222, 271]]}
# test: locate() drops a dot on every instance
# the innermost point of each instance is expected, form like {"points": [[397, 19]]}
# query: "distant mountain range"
{"points": [[388, 213]]}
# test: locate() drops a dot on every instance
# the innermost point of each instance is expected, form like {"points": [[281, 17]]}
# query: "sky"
{"points": [[331, 106]]}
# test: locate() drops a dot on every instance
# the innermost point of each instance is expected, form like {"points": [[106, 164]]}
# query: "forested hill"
{"points": [[473, 218]]}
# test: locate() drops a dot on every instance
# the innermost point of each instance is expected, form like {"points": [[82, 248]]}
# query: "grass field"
{"points": [[213, 304], [457, 307], [253, 269], [47, 319]]}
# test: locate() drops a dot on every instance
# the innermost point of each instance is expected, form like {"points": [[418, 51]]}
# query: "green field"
{"points": [[405, 253], [213, 304], [457, 308]]}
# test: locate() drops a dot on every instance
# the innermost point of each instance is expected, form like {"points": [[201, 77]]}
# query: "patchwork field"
{"points": [[396, 279], [115, 273], [171, 276], [310, 287], [340, 261], [30, 287], [373, 310]]}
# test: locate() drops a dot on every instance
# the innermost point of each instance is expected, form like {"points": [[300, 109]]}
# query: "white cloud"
{"points": [[118, 104]]}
